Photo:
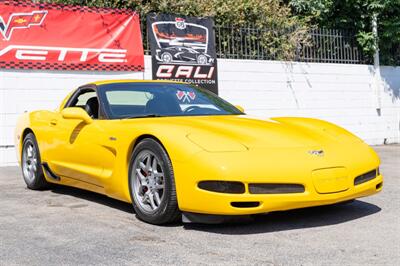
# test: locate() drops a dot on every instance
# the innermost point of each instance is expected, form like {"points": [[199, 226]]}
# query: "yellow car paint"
{"points": [[95, 155]]}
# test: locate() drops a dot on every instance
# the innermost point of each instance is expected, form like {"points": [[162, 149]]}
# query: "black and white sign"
{"points": [[183, 49]]}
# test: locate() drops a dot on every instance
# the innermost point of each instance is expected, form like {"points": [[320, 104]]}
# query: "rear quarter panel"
{"points": [[38, 122], [23, 123]]}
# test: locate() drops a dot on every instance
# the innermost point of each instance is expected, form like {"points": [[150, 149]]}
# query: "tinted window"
{"points": [[117, 97], [125, 100]]}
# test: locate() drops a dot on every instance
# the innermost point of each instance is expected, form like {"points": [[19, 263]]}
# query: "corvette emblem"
{"points": [[21, 21], [319, 153]]}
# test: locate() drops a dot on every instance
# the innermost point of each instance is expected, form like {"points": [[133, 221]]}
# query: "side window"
{"points": [[84, 97], [87, 100]]}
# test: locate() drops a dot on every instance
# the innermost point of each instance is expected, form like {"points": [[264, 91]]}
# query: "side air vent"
{"points": [[365, 177], [275, 188]]}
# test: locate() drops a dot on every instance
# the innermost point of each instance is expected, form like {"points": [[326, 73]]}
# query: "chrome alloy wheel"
{"points": [[29, 161], [147, 179]]}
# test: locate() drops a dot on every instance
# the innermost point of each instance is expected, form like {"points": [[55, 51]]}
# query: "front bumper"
{"points": [[242, 167], [220, 203]]}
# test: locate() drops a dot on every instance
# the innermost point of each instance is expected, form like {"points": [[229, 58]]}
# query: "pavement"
{"points": [[67, 226]]}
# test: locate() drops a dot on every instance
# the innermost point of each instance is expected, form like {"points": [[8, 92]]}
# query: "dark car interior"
{"points": [[92, 107]]}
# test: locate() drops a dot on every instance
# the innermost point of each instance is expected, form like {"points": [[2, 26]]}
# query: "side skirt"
{"points": [[50, 173]]}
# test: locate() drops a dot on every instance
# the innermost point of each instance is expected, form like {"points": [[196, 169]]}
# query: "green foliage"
{"points": [[367, 41], [356, 16], [312, 9], [285, 30], [389, 32]]}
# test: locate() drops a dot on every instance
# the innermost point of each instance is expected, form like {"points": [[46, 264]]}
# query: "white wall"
{"points": [[342, 94]]}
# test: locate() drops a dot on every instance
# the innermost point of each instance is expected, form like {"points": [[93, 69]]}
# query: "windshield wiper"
{"points": [[142, 116]]}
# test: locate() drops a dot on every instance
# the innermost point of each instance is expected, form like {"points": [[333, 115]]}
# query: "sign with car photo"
{"points": [[183, 49]]}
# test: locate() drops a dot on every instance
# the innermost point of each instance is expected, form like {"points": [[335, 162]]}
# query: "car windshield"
{"points": [[133, 100]]}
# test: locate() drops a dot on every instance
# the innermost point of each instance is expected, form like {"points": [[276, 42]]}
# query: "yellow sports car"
{"points": [[175, 150]]}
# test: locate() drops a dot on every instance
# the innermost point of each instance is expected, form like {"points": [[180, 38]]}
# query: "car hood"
{"points": [[242, 132]]}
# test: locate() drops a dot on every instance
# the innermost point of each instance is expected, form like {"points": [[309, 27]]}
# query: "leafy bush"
{"points": [[356, 16]]}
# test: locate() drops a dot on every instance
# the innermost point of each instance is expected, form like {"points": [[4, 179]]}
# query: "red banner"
{"points": [[57, 37]]}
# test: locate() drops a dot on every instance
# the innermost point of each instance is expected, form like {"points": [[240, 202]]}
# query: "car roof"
{"points": [[104, 82]]}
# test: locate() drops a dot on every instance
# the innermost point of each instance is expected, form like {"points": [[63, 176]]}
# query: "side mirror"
{"points": [[240, 108], [76, 113]]}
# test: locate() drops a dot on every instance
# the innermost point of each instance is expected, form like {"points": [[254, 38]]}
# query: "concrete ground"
{"points": [[67, 226]]}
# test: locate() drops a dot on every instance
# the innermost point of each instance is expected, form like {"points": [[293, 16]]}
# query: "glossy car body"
{"points": [[283, 163]]}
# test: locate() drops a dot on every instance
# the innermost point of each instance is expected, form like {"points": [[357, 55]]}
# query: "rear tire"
{"points": [[152, 183], [31, 164]]}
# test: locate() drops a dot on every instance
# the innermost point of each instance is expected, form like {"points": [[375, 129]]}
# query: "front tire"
{"points": [[152, 184], [31, 164]]}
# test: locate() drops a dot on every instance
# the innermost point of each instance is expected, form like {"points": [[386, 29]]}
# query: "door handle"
{"points": [[53, 122]]}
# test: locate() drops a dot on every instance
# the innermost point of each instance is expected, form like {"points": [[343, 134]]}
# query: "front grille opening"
{"points": [[379, 186], [275, 188], [365, 177], [245, 204], [232, 187]]}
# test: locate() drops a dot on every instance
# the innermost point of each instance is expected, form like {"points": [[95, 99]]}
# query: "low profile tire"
{"points": [[152, 184], [31, 164]]}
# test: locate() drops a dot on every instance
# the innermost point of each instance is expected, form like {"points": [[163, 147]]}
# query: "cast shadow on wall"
{"points": [[391, 82]]}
